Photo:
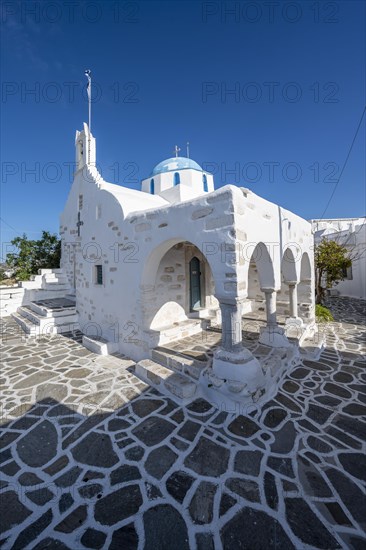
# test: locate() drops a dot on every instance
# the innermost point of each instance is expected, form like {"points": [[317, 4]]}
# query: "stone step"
{"points": [[36, 330], [179, 363], [53, 270], [49, 294], [36, 278], [100, 345], [52, 277], [44, 321], [162, 378], [55, 286], [59, 281], [204, 313], [36, 284], [164, 335], [53, 308], [27, 326]]}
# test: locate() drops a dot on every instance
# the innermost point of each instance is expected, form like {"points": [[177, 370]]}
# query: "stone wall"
{"points": [[170, 305]]}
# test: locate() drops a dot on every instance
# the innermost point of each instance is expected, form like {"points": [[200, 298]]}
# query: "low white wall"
{"points": [[11, 297]]}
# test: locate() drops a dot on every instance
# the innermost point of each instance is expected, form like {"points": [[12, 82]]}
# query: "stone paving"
{"points": [[91, 457]]}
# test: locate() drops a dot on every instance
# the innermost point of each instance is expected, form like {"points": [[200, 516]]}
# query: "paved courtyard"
{"points": [[91, 457]]}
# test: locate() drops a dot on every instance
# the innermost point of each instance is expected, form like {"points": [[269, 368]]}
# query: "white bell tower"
{"points": [[85, 148]]}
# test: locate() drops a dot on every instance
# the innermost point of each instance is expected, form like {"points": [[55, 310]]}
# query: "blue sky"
{"points": [[269, 95]]}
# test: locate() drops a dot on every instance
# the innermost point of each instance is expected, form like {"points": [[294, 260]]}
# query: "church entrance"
{"points": [[179, 293], [195, 283]]}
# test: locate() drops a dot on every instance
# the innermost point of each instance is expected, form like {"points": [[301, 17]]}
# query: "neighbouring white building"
{"points": [[153, 266], [350, 232]]}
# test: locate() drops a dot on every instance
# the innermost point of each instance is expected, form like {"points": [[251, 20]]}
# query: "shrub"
{"points": [[323, 315]]}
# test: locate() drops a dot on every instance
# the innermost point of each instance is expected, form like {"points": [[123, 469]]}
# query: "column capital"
{"points": [[268, 290], [230, 300]]}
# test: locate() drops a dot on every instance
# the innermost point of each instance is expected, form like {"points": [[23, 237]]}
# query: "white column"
{"points": [[232, 362], [231, 326], [293, 299], [270, 295], [293, 321], [272, 335]]}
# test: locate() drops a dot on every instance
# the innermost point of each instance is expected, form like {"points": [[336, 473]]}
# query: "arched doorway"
{"points": [[177, 293]]}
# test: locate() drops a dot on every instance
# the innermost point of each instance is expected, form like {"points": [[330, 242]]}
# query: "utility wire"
{"points": [[345, 162], [11, 227]]}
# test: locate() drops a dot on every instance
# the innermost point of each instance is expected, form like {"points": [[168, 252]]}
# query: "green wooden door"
{"points": [[195, 283]]}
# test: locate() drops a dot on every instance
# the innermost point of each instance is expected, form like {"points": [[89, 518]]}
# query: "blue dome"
{"points": [[175, 163]]}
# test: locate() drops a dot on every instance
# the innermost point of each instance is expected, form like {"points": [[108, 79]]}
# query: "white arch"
{"points": [[264, 264], [288, 267], [166, 310], [305, 270], [156, 255]]}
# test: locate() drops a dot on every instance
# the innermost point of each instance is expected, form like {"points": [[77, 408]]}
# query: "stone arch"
{"points": [[260, 276], [288, 266], [262, 259], [305, 270], [289, 274], [165, 284]]}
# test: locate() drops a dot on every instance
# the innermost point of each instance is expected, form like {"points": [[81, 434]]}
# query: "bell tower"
{"points": [[85, 148]]}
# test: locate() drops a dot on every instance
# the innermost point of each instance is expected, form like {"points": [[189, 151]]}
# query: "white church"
{"points": [[154, 266]]}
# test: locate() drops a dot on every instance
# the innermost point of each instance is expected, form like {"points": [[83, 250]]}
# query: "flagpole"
{"points": [[90, 82], [88, 76]]}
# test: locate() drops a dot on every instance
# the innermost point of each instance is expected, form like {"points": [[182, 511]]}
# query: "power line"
{"points": [[11, 227], [345, 162]]}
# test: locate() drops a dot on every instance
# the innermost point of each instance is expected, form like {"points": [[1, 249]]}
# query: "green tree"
{"points": [[331, 262], [33, 255]]}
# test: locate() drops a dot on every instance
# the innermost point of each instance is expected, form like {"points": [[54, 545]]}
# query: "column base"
{"points": [[274, 336], [294, 321], [240, 367]]}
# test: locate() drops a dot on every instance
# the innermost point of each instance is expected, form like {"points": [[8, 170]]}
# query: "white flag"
{"points": [[88, 88]]}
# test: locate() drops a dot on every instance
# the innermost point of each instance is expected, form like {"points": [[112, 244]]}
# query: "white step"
{"points": [[36, 330], [176, 362], [31, 284], [36, 278], [39, 319], [100, 345], [164, 335], [55, 286], [41, 307], [203, 313], [53, 270], [55, 277], [160, 377], [25, 324], [43, 294]]}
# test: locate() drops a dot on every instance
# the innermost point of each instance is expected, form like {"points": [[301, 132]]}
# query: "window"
{"points": [[176, 178], [152, 186], [347, 273], [98, 212], [80, 202], [205, 186], [99, 274]]}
